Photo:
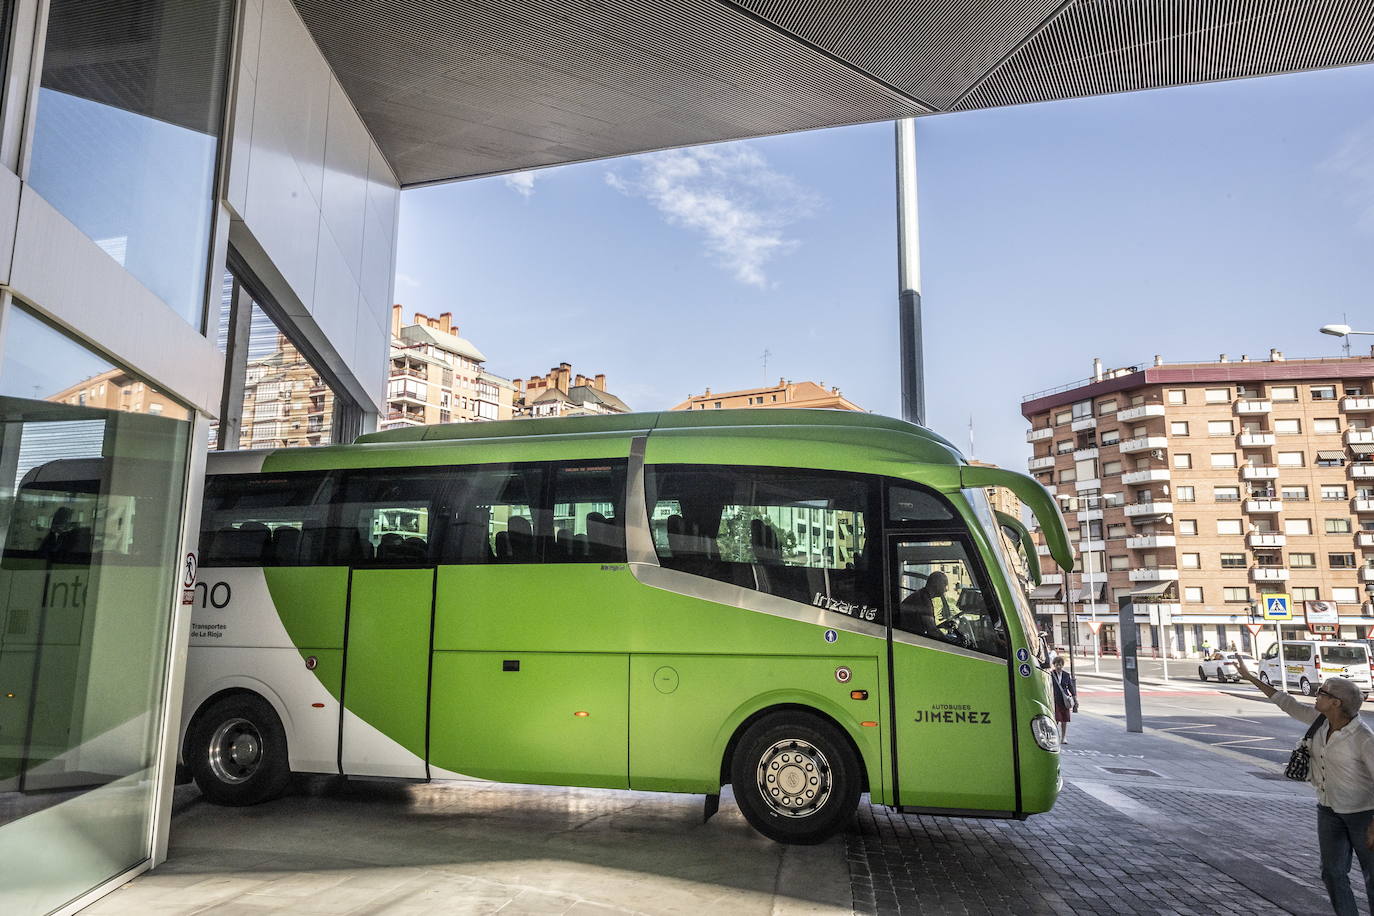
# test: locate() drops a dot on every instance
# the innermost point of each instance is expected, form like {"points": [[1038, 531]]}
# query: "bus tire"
{"points": [[1306, 687], [796, 778], [237, 751]]}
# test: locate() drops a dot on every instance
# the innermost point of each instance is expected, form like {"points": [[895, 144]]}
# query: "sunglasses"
{"points": [[1322, 692]]}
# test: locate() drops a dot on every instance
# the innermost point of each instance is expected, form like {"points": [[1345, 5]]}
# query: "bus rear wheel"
{"points": [[236, 750], [796, 778]]}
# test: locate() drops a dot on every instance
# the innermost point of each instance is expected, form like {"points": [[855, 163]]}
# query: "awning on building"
{"points": [[1360, 449], [1154, 588], [1334, 455], [1095, 592], [1044, 592]]}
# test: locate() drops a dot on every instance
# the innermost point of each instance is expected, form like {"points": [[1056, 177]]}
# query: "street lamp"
{"points": [[1343, 331]]}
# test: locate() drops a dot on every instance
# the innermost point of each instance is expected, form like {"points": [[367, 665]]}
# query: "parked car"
{"points": [[1222, 666], [1308, 662]]}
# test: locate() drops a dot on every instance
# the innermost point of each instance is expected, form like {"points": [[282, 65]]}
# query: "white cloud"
{"points": [[522, 183], [726, 194], [1353, 164], [408, 281]]}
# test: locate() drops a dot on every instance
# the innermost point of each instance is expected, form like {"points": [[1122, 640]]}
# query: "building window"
{"points": [[1116, 531], [1334, 493], [1064, 416], [1228, 526], [1283, 393], [1290, 459], [1111, 468], [1223, 459], [1288, 427], [1233, 561], [1190, 561], [1235, 595], [1295, 493], [126, 137], [1341, 560], [1192, 594], [1185, 494], [1345, 595], [1302, 593], [1178, 427], [1111, 436], [1187, 527], [1183, 461], [1226, 494], [1063, 446], [1297, 526], [1119, 562], [1326, 426], [1302, 560], [1323, 392], [1217, 395], [1177, 396], [1107, 407], [1220, 428]]}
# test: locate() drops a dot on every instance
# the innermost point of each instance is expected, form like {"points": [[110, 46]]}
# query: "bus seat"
{"points": [[286, 546], [599, 536], [521, 539], [563, 544], [764, 540], [415, 548], [389, 548], [240, 545], [503, 553]]}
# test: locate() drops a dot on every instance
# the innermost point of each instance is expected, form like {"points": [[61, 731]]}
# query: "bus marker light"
{"points": [[869, 724], [582, 714], [843, 674], [858, 694], [318, 705], [311, 663]]}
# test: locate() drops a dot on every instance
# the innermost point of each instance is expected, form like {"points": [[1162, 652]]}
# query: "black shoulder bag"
{"points": [[1301, 758]]}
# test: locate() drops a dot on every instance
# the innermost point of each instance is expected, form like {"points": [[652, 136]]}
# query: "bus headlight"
{"points": [[1046, 734]]}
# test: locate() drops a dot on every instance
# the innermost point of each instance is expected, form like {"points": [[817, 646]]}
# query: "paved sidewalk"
{"points": [[1147, 823]]}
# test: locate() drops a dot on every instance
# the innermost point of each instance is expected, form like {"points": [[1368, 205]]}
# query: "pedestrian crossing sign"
{"points": [[1276, 607]]}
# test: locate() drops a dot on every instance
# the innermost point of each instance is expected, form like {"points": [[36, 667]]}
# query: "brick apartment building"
{"points": [[1191, 489], [560, 393], [784, 394], [436, 376]]}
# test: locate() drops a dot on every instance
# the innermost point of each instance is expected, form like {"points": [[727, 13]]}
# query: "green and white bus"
{"points": [[806, 605]]}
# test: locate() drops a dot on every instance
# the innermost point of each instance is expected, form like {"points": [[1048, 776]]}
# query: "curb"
{"points": [[1202, 745]]}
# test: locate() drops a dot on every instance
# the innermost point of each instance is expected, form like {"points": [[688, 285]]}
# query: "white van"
{"points": [[1309, 662]]}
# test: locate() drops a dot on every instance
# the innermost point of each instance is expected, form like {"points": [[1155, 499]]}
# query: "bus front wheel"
{"points": [[237, 752], [796, 778]]}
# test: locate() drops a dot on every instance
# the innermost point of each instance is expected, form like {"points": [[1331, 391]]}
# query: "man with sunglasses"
{"points": [[1342, 772]]}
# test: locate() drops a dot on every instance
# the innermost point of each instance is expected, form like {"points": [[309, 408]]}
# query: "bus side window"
{"points": [[809, 536], [265, 520], [939, 596], [588, 513], [494, 515], [385, 516]]}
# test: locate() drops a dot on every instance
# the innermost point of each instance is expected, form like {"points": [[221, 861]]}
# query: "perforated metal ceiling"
{"points": [[460, 88]]}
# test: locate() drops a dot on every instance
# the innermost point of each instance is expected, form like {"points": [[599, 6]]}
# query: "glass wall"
{"points": [[128, 131], [92, 471]]}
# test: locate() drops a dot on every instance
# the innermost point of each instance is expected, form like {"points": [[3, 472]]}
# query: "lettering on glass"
{"points": [[860, 611]]}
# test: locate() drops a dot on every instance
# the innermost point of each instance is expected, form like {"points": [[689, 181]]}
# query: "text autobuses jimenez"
{"points": [[806, 605]]}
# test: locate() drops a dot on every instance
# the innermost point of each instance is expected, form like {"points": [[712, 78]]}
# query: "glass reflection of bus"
{"points": [[806, 605]]}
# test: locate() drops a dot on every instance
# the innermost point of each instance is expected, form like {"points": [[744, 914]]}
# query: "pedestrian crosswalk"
{"points": [[1116, 687]]}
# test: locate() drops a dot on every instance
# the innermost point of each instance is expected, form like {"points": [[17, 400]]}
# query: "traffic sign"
{"points": [[1255, 628], [1276, 607], [1094, 625]]}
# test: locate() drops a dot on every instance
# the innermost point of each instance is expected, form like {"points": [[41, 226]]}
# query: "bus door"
{"points": [[384, 523], [951, 689]]}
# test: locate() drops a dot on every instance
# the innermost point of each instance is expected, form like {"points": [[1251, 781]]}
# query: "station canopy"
{"points": [[463, 88]]}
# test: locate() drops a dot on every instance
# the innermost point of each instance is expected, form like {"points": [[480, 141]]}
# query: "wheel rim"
{"points": [[1306, 687], [235, 751], [794, 778]]}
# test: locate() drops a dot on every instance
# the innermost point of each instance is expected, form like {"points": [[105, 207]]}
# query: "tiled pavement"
{"points": [[1208, 834]]}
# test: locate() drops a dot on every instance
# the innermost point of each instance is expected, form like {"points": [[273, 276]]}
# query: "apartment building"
{"points": [[785, 393], [1192, 489], [437, 376], [560, 393]]}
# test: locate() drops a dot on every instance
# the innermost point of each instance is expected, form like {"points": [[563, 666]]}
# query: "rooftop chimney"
{"points": [[1244, 358], [1159, 360], [1275, 356], [446, 323], [1097, 369], [707, 393], [600, 383], [396, 320], [1222, 358], [579, 379]]}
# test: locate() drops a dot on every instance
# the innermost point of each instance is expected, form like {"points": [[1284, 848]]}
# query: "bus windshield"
{"points": [[1017, 576]]}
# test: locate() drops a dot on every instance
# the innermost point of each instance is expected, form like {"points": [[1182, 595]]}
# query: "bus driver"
{"points": [[917, 611]]}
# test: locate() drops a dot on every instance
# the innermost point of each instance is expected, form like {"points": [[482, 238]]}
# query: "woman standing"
{"points": [[1065, 696]]}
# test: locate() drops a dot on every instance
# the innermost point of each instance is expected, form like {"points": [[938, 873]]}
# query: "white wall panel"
{"points": [[316, 200], [73, 281]]}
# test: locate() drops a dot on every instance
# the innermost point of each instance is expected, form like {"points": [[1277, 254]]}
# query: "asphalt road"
{"points": [[1236, 716]]}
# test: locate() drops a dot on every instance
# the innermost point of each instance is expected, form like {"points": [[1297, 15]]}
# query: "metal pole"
{"points": [[909, 276], [1163, 640], [1130, 673]]}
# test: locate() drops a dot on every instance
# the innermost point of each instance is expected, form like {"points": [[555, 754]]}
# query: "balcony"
{"points": [[1038, 435], [1140, 412], [1366, 574], [1268, 574], [407, 372], [1089, 515], [1255, 440], [1153, 574], [1158, 611], [1359, 436], [1151, 541], [1357, 405], [1362, 471], [1249, 407], [1263, 506], [1042, 549], [1052, 579], [1083, 454], [1041, 464], [1149, 509], [1152, 475], [1256, 539], [404, 416], [1360, 504], [1365, 539], [1143, 444], [1083, 423], [1259, 472], [1090, 483]]}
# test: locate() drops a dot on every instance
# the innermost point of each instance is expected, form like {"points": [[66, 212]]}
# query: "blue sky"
{"points": [[1224, 218]]}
